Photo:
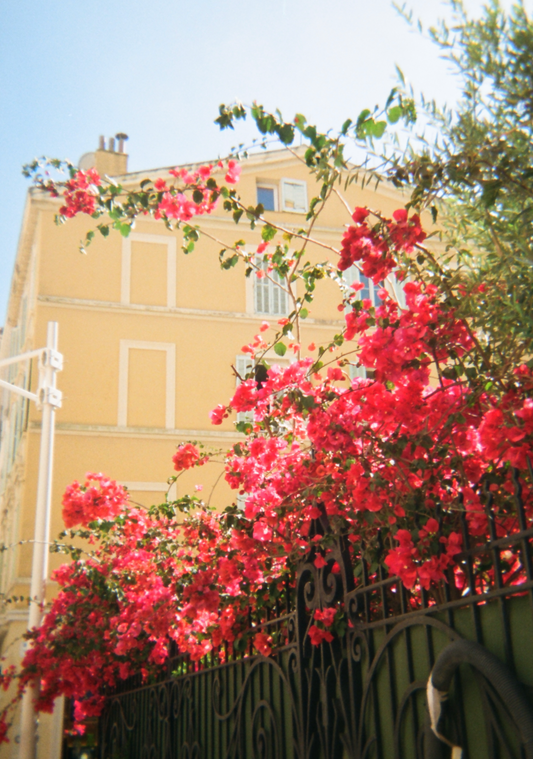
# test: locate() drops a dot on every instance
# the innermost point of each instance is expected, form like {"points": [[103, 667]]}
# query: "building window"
{"points": [[244, 365], [241, 501], [269, 297], [266, 195], [361, 371], [369, 291], [293, 196]]}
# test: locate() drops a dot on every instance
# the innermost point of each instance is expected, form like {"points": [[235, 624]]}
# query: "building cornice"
{"points": [[108, 430], [190, 313]]}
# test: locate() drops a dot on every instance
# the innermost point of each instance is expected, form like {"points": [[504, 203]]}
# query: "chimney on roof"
{"points": [[121, 137], [108, 160]]}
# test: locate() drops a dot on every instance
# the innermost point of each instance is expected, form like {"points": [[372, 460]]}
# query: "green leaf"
{"points": [[347, 124], [123, 228], [400, 75], [244, 427], [286, 133], [491, 191], [268, 233], [198, 197], [363, 116], [392, 95], [280, 349], [304, 313], [228, 113], [229, 263], [378, 128], [394, 114]]}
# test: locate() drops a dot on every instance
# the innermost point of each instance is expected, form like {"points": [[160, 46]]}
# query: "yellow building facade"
{"points": [[149, 336]]}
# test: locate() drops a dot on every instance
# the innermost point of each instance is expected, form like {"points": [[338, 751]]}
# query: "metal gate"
{"points": [[363, 695]]}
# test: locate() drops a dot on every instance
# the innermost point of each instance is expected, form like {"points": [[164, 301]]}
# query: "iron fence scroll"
{"points": [[361, 695]]}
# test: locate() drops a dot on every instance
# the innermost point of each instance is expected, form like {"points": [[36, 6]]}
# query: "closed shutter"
{"points": [[294, 196], [244, 365], [270, 298]]}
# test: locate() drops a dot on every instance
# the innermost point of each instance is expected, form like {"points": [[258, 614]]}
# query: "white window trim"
{"points": [[170, 384], [151, 487], [262, 315], [250, 295], [125, 283], [293, 181]]}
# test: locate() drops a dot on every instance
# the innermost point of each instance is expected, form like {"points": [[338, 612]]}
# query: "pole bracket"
{"points": [[50, 395]]}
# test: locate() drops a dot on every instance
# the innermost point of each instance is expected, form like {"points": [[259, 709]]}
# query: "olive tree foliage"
{"points": [[475, 173], [479, 170]]}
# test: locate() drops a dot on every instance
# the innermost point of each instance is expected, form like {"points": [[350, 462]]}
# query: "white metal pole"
{"points": [[49, 401]]}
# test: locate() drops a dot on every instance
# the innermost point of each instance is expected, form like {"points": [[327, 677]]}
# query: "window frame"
{"points": [[350, 280], [275, 190], [302, 183], [261, 282], [390, 283]]}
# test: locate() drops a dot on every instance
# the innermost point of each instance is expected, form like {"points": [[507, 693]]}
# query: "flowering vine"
{"points": [[398, 461]]}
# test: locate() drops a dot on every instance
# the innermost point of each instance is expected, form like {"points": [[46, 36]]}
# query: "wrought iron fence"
{"points": [[362, 695]]}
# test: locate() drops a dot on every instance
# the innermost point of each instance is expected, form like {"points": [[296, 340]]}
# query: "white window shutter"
{"points": [[294, 195], [243, 365], [269, 297]]}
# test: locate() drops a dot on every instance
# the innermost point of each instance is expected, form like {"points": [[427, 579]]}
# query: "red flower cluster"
{"points": [[392, 462], [81, 193], [317, 635], [86, 503], [376, 246], [175, 204], [188, 456]]}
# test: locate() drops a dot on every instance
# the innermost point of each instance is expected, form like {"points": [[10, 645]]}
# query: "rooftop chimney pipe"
{"points": [[121, 137]]}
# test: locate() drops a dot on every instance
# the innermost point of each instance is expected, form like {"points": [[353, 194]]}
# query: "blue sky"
{"points": [[71, 70]]}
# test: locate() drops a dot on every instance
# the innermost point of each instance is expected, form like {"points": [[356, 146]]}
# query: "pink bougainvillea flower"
{"points": [[86, 503], [187, 456], [233, 172]]}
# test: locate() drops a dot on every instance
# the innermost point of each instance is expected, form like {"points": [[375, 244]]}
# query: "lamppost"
{"points": [[47, 399]]}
